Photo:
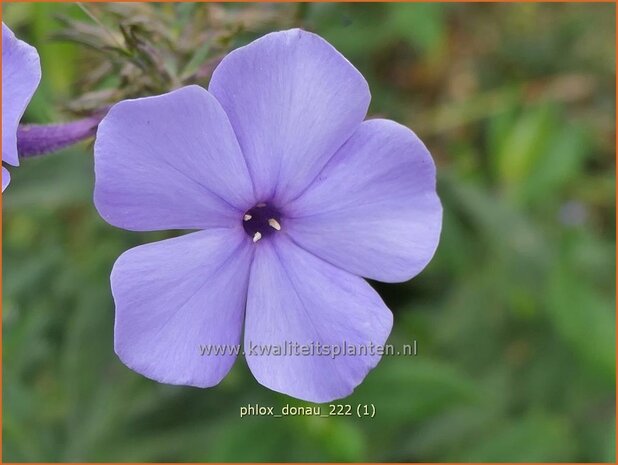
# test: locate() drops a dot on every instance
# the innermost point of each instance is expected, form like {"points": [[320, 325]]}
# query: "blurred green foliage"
{"points": [[514, 317]]}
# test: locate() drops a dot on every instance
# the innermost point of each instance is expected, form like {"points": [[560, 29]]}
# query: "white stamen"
{"points": [[274, 224], [247, 217], [257, 236]]}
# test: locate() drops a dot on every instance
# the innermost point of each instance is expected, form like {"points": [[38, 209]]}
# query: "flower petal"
{"points": [[170, 162], [21, 74], [6, 178], [296, 298], [176, 296], [373, 210], [293, 100]]}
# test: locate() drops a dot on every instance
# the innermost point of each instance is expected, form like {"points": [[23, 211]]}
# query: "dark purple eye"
{"points": [[261, 221]]}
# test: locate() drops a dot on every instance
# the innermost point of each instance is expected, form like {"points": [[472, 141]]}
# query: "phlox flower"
{"points": [[21, 74], [295, 198]]}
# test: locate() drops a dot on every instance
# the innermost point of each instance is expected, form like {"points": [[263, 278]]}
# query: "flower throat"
{"points": [[261, 221]]}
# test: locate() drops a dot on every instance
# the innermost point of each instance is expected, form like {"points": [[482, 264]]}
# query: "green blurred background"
{"points": [[514, 317]]}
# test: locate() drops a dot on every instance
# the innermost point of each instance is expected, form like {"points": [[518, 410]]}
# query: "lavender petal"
{"points": [[170, 305], [296, 298], [21, 73], [293, 100], [170, 162], [6, 178], [374, 210]]}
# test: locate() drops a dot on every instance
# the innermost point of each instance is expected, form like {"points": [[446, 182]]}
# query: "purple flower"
{"points": [[296, 198], [21, 74]]}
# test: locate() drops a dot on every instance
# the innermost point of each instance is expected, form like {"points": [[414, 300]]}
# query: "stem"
{"points": [[42, 139]]}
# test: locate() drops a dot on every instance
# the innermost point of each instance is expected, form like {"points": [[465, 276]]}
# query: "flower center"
{"points": [[261, 221]]}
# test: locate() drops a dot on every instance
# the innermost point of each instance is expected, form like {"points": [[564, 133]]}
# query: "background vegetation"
{"points": [[514, 317]]}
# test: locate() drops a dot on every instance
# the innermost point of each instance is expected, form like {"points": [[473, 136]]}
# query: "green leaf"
{"points": [[535, 437], [523, 145], [585, 319], [416, 388], [421, 24]]}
